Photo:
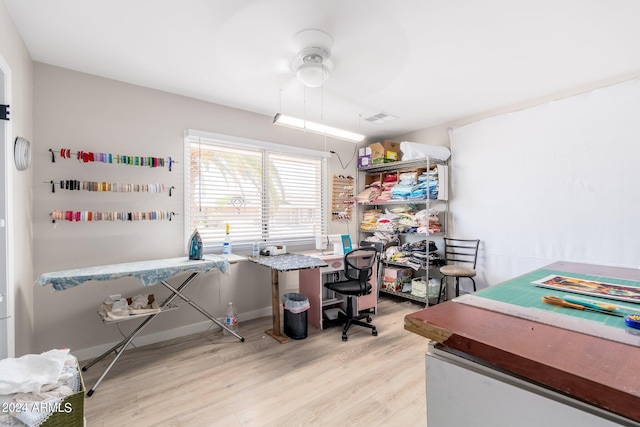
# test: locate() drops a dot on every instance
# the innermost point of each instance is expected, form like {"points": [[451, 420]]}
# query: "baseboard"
{"points": [[142, 340]]}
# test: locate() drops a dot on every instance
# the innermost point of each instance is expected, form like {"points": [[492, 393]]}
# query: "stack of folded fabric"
{"points": [[407, 222], [416, 255], [433, 183], [370, 220], [393, 254], [388, 183], [388, 222], [420, 190], [406, 218], [428, 221], [434, 222], [369, 194], [436, 260], [422, 221], [402, 190], [383, 237]]}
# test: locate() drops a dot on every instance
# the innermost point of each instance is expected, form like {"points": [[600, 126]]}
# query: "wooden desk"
{"points": [[278, 263], [603, 373]]}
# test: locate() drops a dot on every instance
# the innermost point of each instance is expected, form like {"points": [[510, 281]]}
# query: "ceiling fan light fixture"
{"points": [[312, 64], [293, 122], [312, 74]]}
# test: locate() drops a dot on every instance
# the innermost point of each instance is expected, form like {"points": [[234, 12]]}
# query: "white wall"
{"points": [[14, 53], [555, 182], [437, 135], [84, 112]]}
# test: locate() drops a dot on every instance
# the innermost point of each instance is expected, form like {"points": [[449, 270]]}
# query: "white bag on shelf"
{"points": [[414, 150], [419, 287]]}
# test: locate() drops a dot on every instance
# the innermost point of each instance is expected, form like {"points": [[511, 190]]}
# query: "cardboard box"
{"points": [[381, 160], [392, 286], [397, 279], [372, 178], [364, 157], [385, 150], [398, 275]]}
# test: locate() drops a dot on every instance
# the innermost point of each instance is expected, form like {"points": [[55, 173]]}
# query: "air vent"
{"points": [[381, 118]]}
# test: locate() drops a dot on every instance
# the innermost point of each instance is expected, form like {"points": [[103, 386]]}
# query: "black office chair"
{"points": [[358, 269], [461, 256], [380, 247]]}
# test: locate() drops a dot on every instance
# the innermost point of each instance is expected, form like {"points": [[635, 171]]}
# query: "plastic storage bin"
{"points": [[295, 315]]}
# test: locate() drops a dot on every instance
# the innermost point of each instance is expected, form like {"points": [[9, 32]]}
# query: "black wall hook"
{"points": [[4, 112], [53, 155]]}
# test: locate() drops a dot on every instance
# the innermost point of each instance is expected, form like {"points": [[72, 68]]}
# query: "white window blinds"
{"points": [[263, 191]]}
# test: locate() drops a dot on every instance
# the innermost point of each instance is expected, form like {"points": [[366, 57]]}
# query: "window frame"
{"points": [[264, 148]]}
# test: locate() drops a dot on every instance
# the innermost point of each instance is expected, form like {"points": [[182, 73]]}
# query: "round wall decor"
{"points": [[22, 153]]}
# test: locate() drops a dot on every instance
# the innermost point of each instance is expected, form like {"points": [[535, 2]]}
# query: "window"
{"points": [[264, 191]]}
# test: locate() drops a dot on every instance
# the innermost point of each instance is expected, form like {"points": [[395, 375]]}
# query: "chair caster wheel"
{"points": [[369, 319], [374, 332], [344, 337]]}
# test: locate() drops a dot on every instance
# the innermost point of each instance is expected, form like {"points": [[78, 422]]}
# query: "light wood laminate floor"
{"points": [[208, 379]]}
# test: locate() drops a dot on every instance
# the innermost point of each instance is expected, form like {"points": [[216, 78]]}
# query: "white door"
{"points": [[6, 294]]}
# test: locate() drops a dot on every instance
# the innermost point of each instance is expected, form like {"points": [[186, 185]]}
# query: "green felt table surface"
{"points": [[521, 292]]}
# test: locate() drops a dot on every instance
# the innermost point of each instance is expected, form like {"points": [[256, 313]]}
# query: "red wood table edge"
{"points": [[600, 372]]}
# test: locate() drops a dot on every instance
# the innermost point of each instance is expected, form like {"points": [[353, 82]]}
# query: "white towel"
{"points": [[27, 374]]}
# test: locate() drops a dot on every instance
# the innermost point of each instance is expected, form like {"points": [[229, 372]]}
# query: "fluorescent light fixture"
{"points": [[292, 122]]}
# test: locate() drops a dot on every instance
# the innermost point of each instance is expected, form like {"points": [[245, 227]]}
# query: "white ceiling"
{"points": [[427, 62]]}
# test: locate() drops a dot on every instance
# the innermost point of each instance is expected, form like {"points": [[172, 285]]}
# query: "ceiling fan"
{"points": [[312, 66]]}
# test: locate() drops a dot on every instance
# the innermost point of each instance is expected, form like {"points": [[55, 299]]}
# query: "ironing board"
{"points": [[149, 273]]}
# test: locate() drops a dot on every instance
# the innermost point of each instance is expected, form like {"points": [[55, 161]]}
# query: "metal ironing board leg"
{"points": [[122, 345], [201, 310]]}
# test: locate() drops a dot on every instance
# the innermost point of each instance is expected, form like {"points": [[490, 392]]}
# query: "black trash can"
{"points": [[295, 315]]}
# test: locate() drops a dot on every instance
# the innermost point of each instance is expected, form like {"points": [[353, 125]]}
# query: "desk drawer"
{"points": [[335, 265]]}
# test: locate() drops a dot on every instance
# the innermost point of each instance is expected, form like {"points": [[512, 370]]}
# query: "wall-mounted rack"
{"points": [[122, 159], [109, 187], [342, 197], [82, 216]]}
